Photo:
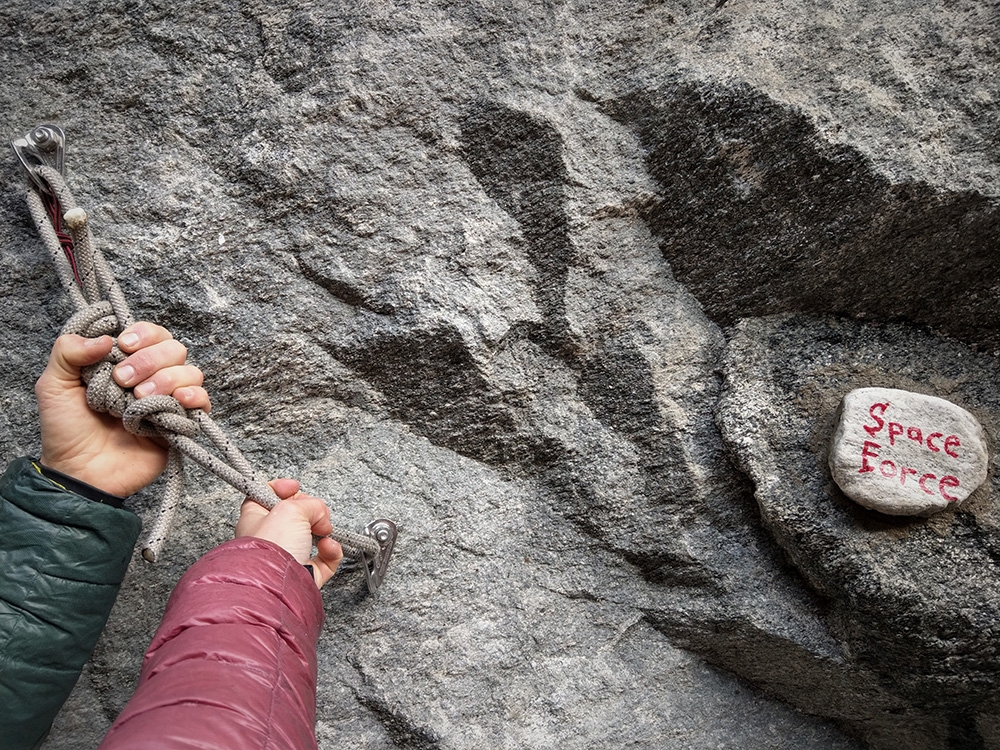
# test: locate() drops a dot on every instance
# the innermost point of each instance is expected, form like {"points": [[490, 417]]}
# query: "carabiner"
{"points": [[44, 146], [383, 531]]}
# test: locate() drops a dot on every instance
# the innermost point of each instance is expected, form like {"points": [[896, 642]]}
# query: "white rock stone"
{"points": [[906, 454]]}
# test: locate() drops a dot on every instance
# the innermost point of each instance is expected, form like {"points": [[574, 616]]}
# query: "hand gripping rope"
{"points": [[101, 309]]}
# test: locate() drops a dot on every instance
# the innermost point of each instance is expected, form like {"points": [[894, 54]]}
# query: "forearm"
{"points": [[233, 663], [62, 560]]}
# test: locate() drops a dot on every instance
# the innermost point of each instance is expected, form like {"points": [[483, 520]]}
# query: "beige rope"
{"points": [[102, 309]]}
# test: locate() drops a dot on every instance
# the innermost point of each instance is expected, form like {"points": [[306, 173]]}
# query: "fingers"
{"points": [[162, 381], [140, 335], [328, 552], [313, 510], [149, 361], [193, 397], [156, 366]]}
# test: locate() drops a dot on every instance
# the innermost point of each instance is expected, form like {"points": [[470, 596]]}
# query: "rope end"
{"points": [[75, 218]]}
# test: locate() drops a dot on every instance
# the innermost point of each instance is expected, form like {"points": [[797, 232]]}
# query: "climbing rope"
{"points": [[101, 309]]}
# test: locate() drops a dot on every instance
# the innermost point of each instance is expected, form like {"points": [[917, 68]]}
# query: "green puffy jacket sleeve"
{"points": [[62, 560]]}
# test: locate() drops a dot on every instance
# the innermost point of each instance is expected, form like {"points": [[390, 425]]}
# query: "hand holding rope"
{"points": [[101, 309]]}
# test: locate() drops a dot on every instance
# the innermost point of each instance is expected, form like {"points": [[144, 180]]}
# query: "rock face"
{"points": [[913, 600], [572, 292], [930, 453]]}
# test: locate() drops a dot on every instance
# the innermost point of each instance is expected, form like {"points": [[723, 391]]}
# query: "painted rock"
{"points": [[906, 454]]}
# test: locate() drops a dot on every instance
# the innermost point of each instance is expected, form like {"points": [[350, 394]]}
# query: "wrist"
{"points": [[94, 470], [77, 486], [74, 469]]}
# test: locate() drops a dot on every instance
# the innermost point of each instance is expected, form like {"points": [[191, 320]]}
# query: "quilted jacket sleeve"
{"points": [[62, 560], [233, 663]]}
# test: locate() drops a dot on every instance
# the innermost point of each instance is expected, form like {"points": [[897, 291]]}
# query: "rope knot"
{"points": [[96, 319], [103, 393], [158, 416]]}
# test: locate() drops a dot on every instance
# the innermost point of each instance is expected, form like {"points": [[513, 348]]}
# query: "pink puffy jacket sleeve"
{"points": [[233, 663]]}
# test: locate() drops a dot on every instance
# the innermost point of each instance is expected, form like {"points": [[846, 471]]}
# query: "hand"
{"points": [[292, 524], [94, 447]]}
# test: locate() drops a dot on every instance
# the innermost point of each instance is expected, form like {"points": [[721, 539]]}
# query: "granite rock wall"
{"points": [[571, 291]]}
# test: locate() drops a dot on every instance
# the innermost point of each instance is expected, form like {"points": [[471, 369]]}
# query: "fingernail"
{"points": [[144, 389], [125, 373], [128, 339]]}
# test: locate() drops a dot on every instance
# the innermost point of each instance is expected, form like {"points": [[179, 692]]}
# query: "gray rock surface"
{"points": [[473, 267], [914, 600]]}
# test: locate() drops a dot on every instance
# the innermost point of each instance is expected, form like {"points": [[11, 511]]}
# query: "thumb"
{"points": [[71, 353], [327, 559], [284, 488]]}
